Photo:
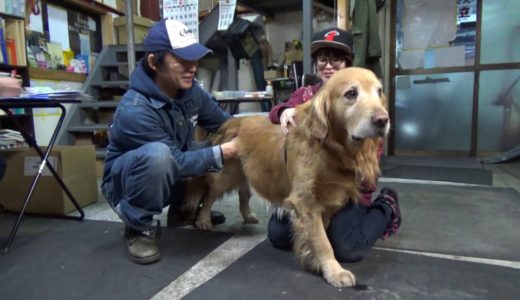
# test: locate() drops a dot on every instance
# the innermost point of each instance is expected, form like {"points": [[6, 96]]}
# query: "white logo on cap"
{"points": [[179, 34]]}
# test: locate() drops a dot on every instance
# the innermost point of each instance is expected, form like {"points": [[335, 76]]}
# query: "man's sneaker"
{"points": [[142, 245], [389, 197], [177, 218]]}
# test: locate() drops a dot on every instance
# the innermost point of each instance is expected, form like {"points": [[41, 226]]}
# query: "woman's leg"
{"points": [[279, 231], [355, 229], [352, 231]]}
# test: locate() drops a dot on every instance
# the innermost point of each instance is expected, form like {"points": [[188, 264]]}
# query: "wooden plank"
{"points": [[107, 30], [56, 75], [94, 7], [343, 13]]}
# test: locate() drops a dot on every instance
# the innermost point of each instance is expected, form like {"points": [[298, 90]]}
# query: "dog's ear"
{"points": [[321, 105]]}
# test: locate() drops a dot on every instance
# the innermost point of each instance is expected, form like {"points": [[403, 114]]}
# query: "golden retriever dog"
{"points": [[314, 170]]}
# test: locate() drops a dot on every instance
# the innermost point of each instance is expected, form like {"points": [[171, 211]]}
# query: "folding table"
{"points": [[6, 104], [266, 102]]}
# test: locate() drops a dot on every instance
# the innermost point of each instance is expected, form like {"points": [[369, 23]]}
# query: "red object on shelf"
{"points": [[150, 10]]}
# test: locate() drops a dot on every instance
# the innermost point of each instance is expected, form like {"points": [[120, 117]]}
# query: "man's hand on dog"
{"points": [[230, 149]]}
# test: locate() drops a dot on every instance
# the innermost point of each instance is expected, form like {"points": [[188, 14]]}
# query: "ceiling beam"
{"points": [[253, 8]]}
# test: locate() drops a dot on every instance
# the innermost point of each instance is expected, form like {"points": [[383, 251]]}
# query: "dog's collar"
{"points": [[285, 152]]}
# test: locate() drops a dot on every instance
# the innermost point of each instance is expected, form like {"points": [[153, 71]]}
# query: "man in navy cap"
{"points": [[151, 145]]}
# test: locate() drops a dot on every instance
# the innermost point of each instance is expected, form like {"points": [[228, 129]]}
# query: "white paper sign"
{"points": [[36, 22], [226, 13], [58, 26], [32, 165], [185, 11]]}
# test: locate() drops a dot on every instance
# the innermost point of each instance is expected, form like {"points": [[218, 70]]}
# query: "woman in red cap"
{"points": [[355, 228]]}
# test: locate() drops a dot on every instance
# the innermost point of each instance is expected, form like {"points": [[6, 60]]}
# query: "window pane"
{"points": [[434, 112], [499, 111], [500, 31], [433, 34]]}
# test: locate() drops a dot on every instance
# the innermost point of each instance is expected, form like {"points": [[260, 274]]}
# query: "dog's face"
{"points": [[352, 100]]}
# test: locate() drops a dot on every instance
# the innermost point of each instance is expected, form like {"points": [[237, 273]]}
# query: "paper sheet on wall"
{"points": [[429, 23], [450, 57], [91, 24], [84, 41], [185, 11], [226, 13], [58, 26], [411, 59], [36, 23]]}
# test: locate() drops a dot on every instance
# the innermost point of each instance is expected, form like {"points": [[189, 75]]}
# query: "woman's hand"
{"points": [[287, 119], [10, 87], [230, 149]]}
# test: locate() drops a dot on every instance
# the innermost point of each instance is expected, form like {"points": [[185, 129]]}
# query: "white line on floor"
{"points": [[210, 266], [419, 181], [487, 261]]}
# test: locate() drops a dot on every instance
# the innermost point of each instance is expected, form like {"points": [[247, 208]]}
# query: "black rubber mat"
{"points": [[460, 175], [65, 259], [268, 273], [462, 220]]}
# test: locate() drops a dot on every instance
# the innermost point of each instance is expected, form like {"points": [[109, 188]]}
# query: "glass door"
{"points": [[453, 76]]}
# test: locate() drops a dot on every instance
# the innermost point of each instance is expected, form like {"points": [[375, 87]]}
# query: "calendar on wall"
{"points": [[185, 11], [226, 13]]}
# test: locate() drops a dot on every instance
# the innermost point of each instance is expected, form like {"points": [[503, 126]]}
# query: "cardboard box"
{"points": [[121, 6], [100, 167], [141, 27], [271, 74], [76, 166]]}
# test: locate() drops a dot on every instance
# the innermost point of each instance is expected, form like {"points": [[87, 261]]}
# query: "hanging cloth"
{"points": [[365, 31]]}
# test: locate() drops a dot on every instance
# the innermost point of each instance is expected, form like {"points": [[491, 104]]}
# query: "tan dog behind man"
{"points": [[315, 170]]}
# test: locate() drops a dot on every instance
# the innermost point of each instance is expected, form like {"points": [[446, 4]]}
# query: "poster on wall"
{"points": [[226, 13], [79, 33], [185, 11], [466, 11], [429, 23]]}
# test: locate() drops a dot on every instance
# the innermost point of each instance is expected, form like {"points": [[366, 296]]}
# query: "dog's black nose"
{"points": [[380, 120]]}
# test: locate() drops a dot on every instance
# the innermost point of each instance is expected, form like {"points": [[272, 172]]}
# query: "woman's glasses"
{"points": [[334, 62]]}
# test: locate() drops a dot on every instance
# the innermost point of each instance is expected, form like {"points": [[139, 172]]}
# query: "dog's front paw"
{"points": [[203, 224], [342, 278], [251, 219]]}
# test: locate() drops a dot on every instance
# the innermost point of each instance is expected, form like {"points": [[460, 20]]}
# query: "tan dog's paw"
{"points": [[343, 278], [251, 219], [203, 223]]}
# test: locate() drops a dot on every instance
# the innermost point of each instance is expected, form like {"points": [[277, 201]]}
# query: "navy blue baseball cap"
{"points": [[175, 37]]}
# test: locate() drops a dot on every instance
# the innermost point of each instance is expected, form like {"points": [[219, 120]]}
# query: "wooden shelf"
{"points": [[38, 73], [7, 66], [95, 7], [9, 16]]}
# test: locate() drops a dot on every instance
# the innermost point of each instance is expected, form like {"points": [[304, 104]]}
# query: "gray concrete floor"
{"points": [[248, 236]]}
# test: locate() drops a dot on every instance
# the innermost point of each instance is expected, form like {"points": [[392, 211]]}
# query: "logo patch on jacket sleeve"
{"points": [[193, 120]]}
